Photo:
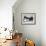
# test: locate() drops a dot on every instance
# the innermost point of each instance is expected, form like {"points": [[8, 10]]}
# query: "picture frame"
{"points": [[28, 18]]}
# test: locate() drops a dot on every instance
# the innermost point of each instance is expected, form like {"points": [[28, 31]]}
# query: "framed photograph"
{"points": [[28, 18]]}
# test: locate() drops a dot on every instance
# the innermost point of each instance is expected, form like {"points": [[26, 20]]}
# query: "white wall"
{"points": [[43, 22], [30, 31], [6, 13]]}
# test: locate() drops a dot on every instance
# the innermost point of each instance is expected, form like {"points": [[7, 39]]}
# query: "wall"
{"points": [[6, 13], [32, 32], [43, 22]]}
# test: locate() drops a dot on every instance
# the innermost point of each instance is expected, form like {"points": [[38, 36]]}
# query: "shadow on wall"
{"points": [[28, 6]]}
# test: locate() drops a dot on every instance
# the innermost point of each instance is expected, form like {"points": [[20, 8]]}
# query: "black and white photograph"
{"points": [[28, 18]]}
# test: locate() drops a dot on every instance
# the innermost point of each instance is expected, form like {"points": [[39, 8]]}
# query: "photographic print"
{"points": [[28, 18]]}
